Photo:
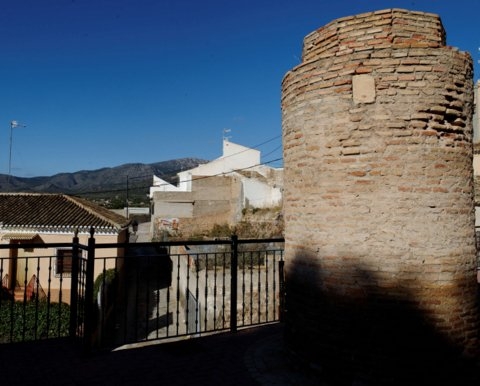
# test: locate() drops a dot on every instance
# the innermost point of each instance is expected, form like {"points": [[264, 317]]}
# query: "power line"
{"points": [[231, 171], [216, 175], [190, 180], [273, 151], [253, 147]]}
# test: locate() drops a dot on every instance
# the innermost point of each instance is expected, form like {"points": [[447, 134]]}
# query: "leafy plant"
{"points": [[33, 320], [103, 279]]}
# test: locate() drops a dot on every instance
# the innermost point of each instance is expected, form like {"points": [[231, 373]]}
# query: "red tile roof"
{"points": [[40, 210]]}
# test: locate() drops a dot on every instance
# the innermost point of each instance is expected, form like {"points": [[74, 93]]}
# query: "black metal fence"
{"points": [[109, 295]]}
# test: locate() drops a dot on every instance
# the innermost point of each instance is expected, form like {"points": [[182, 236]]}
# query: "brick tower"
{"points": [[378, 200]]}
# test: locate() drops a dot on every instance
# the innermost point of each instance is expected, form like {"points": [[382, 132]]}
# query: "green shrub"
{"points": [[105, 278], [33, 320]]}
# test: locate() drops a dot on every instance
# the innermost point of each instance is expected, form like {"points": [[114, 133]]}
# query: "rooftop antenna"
{"points": [[13, 125], [225, 137]]}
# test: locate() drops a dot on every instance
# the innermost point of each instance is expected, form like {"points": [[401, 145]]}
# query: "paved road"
{"points": [[250, 357]]}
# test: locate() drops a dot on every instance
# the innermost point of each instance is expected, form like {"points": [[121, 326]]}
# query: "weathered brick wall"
{"points": [[378, 200]]}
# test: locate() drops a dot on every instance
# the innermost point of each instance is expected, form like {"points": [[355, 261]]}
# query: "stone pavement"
{"points": [[254, 356]]}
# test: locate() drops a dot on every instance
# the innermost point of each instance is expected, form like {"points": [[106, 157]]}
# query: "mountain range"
{"points": [[101, 183]]}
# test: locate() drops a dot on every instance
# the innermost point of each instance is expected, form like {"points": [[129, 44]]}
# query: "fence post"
{"points": [[74, 287], [281, 276], [233, 284], [89, 322]]}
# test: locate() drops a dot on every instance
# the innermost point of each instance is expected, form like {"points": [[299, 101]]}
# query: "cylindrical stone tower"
{"points": [[378, 201]]}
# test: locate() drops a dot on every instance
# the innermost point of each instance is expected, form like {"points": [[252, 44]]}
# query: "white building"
{"points": [[262, 186], [215, 192]]}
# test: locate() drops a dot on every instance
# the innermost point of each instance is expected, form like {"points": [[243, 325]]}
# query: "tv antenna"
{"points": [[13, 125], [225, 137]]}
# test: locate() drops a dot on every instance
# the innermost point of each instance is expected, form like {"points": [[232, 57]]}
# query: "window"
{"points": [[63, 265]]}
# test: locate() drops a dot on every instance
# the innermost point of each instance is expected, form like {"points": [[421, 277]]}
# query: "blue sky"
{"points": [[100, 83]]}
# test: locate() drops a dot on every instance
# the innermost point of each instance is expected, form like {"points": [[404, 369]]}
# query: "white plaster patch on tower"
{"points": [[363, 89]]}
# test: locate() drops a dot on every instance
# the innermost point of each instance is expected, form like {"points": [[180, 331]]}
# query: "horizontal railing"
{"points": [[116, 294]]}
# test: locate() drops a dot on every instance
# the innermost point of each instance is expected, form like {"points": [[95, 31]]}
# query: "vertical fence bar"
{"points": [[276, 286], [89, 306], [267, 284], [224, 287], [197, 300], [259, 288], [37, 295], [205, 309], [282, 291], [187, 298], [251, 286], [103, 302], [137, 295], [243, 288], [215, 291], [74, 288], [233, 284], [49, 291], [146, 298], [157, 300], [177, 322], [24, 305]]}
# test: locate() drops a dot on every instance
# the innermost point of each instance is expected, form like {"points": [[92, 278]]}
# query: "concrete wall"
{"points": [[263, 188], [378, 201], [213, 200], [262, 185]]}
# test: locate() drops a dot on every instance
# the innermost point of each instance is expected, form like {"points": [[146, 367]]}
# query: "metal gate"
{"points": [[146, 291]]}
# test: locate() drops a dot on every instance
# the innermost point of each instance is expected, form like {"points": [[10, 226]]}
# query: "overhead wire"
{"points": [[198, 177], [194, 178]]}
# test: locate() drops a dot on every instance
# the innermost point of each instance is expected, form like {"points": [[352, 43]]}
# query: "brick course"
{"points": [[378, 198]]}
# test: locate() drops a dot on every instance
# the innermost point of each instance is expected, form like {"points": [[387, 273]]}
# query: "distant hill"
{"points": [[105, 183]]}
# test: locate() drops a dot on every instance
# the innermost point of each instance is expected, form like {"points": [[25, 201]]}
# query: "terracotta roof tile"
{"points": [[39, 210]]}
